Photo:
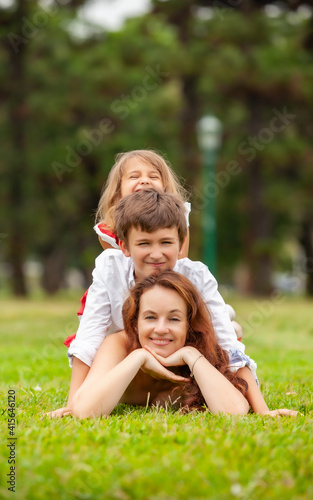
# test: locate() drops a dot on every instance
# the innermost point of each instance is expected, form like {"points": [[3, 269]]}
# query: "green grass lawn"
{"points": [[157, 454]]}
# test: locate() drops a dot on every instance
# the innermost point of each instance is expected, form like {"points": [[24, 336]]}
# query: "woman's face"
{"points": [[162, 320], [139, 175]]}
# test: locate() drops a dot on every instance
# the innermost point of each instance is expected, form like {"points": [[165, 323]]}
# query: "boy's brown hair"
{"points": [[150, 210]]}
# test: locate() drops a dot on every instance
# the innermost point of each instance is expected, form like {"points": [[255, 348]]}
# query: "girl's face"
{"points": [[162, 320], [139, 175]]}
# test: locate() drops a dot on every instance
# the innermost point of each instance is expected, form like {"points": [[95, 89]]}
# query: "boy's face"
{"points": [[152, 252]]}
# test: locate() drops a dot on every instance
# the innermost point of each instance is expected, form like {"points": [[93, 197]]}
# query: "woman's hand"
{"points": [[184, 356], [59, 413], [156, 369], [283, 412], [219, 394]]}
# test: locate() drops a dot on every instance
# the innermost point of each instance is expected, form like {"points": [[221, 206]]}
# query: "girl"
{"points": [[133, 171], [166, 325]]}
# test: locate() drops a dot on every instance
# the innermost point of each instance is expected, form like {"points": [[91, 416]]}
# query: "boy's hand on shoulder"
{"points": [[59, 413]]}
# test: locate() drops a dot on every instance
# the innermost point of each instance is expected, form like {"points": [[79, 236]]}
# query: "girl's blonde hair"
{"points": [[111, 193]]}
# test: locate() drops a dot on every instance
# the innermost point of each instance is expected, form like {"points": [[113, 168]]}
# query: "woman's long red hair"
{"points": [[200, 333]]}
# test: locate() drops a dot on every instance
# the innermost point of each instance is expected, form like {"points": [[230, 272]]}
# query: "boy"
{"points": [[151, 227]]}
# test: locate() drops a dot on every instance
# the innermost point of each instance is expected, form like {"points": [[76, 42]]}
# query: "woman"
{"points": [[167, 325]]}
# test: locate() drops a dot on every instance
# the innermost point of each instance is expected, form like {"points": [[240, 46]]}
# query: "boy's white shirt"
{"points": [[113, 276]]}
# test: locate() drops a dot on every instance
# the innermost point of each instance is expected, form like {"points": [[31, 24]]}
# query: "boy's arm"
{"points": [[97, 317], [208, 287], [111, 352], [253, 395], [226, 336], [256, 399], [93, 327], [79, 373]]}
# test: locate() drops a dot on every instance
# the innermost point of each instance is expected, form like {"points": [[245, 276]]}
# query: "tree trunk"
{"points": [[15, 258], [188, 133], [259, 233], [306, 240], [257, 240], [179, 14], [17, 112], [53, 270]]}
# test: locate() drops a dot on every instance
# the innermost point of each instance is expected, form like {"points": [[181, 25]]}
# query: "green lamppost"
{"points": [[209, 137]]}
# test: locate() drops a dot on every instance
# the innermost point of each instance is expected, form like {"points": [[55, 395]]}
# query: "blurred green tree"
{"points": [[20, 24], [85, 99], [72, 102], [252, 67]]}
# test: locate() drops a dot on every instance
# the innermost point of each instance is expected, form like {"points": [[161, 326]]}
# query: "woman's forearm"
{"points": [[99, 396], [219, 394]]}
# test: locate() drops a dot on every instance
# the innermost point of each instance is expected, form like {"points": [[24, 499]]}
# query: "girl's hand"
{"points": [[153, 367], [283, 412], [183, 356]]}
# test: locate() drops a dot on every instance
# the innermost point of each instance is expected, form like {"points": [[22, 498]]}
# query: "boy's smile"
{"points": [[152, 252]]}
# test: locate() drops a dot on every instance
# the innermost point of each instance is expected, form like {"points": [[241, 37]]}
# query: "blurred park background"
{"points": [[75, 93]]}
